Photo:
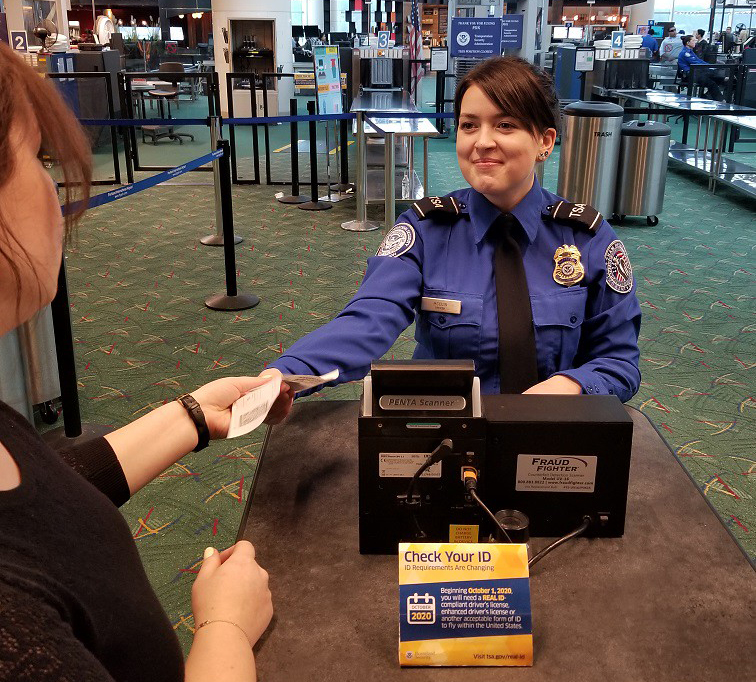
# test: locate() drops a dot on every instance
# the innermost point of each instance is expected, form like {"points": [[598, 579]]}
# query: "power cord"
{"points": [[575, 533], [470, 479], [443, 450]]}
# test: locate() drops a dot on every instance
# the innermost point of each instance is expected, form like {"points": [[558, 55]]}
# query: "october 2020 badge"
{"points": [[568, 269]]}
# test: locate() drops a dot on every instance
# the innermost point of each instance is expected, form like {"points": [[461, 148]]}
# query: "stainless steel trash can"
{"points": [[589, 154], [644, 152]]}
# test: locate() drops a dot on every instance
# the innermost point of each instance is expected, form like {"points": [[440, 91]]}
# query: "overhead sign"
{"points": [[475, 38], [327, 79], [511, 31], [19, 41], [383, 39]]}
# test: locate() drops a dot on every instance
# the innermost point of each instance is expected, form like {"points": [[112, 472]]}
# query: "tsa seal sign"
{"points": [[398, 241], [619, 272], [568, 269]]}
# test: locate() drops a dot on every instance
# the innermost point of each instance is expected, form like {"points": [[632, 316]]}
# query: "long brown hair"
{"points": [[23, 91], [520, 90]]}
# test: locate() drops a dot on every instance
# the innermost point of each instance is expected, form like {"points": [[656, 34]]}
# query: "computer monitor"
{"points": [[297, 32], [559, 33], [311, 32], [177, 33], [339, 38], [575, 33], [642, 29], [656, 31]]}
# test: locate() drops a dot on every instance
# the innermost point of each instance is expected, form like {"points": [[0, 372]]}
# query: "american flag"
{"points": [[415, 35]]}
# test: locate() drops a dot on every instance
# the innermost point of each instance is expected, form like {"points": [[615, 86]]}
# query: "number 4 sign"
{"points": [[19, 41], [618, 40]]}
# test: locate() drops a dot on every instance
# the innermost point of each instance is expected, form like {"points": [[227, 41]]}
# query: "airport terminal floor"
{"points": [[138, 276]]}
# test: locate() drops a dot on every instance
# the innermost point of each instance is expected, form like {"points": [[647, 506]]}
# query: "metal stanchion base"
{"points": [[217, 240], [359, 226], [299, 199], [315, 206], [226, 302], [57, 439], [333, 198], [344, 188]]}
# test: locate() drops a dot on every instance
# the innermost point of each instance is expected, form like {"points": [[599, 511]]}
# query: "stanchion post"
{"points": [[390, 181], [64, 351], [344, 185], [217, 238], [266, 130], [232, 299], [314, 205], [295, 197], [361, 224]]}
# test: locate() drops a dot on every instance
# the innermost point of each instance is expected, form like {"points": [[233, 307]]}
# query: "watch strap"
{"points": [[198, 417]]}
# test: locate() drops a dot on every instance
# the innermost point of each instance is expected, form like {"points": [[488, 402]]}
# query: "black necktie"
{"points": [[518, 369]]}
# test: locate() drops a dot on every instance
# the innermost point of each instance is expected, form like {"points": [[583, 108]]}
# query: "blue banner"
{"points": [[476, 38], [511, 31]]}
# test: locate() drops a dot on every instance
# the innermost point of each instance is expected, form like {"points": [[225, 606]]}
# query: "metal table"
{"points": [[369, 107], [674, 599], [702, 156], [729, 171]]}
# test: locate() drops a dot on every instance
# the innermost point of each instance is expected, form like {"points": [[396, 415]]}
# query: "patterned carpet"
{"points": [[138, 279]]}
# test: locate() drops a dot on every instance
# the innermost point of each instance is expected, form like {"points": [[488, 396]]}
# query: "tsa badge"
{"points": [[568, 269]]}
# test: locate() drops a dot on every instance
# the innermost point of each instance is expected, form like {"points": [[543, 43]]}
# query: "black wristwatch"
{"points": [[198, 417]]}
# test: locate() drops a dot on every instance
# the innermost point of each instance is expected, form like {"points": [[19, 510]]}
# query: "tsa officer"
{"points": [[538, 292], [688, 57]]}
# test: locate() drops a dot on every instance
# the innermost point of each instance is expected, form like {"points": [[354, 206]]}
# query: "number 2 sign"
{"points": [[19, 41]]}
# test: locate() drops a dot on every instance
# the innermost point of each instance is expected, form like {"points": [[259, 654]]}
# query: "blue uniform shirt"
{"points": [[649, 42], [587, 331], [686, 58]]}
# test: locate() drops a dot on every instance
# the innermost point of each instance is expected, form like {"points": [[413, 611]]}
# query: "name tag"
{"points": [[441, 305]]}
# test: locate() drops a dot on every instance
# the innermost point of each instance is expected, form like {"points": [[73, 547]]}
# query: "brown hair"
{"points": [[24, 92], [520, 89]]}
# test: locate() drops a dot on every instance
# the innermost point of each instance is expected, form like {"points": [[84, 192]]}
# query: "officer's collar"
{"points": [[483, 213]]}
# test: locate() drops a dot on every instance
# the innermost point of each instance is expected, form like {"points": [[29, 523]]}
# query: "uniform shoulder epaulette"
{"points": [[579, 215], [429, 205]]}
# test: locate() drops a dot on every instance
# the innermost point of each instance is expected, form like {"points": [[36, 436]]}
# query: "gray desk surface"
{"points": [[674, 599], [384, 101]]}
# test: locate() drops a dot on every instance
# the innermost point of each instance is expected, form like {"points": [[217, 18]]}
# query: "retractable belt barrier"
{"points": [[141, 185]]}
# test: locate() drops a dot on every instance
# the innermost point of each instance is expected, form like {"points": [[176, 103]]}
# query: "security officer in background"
{"points": [[707, 80], [538, 292]]}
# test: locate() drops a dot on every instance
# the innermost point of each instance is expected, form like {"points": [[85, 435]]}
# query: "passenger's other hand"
{"points": [[282, 406], [556, 385], [216, 399], [231, 586]]}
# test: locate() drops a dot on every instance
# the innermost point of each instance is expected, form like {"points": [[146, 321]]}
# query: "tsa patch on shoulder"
{"points": [[619, 272], [398, 241]]}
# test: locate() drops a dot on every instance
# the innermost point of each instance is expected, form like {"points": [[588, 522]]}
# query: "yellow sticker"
{"points": [[463, 533]]}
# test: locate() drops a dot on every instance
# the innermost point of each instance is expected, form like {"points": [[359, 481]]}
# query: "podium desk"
{"points": [[673, 600]]}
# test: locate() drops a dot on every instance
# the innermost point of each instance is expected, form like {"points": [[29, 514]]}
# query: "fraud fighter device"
{"points": [[424, 427]]}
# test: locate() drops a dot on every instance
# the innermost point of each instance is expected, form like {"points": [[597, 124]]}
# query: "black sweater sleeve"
{"points": [[38, 645], [96, 461]]}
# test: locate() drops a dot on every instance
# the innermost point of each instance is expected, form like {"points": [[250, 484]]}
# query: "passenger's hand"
{"points": [[282, 406], [216, 399], [231, 586], [556, 385]]}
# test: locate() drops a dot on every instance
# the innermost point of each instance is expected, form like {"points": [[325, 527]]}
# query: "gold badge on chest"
{"points": [[568, 269]]}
